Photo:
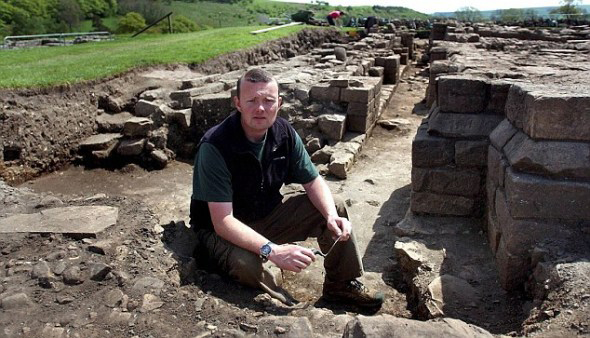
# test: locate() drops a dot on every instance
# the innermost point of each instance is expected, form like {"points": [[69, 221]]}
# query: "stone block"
{"points": [[431, 151], [495, 167], [569, 160], [100, 141], [498, 94], [209, 110], [360, 109], [471, 153], [438, 53], [403, 58], [518, 238], [109, 104], [323, 92], [439, 204], [145, 108], [532, 196], [391, 69], [550, 112], [502, 134], [342, 83], [200, 81], [376, 71], [137, 126], [462, 125], [462, 94], [131, 147], [180, 117], [360, 95], [340, 53], [360, 123], [340, 163], [450, 181], [112, 123], [332, 126], [323, 155]]}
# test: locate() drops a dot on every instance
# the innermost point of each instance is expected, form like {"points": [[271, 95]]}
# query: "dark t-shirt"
{"points": [[212, 179]]}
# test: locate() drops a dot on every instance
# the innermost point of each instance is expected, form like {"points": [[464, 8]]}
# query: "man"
{"points": [[333, 15], [239, 214]]}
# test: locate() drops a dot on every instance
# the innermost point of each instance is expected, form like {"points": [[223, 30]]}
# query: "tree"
{"points": [[468, 13], [530, 14], [511, 15], [131, 22], [69, 12], [568, 9]]}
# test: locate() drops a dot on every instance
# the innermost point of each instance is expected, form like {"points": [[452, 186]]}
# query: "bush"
{"points": [[5, 29], [182, 24], [131, 22]]}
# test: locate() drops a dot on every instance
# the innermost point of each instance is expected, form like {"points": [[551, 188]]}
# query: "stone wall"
{"points": [[450, 149], [538, 182]]}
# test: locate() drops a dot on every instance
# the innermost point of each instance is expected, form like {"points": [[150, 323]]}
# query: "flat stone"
{"points": [[292, 326], [113, 298], [15, 302], [181, 117], [448, 291], [112, 123], [462, 94], [73, 275], [109, 104], [98, 271], [83, 220], [147, 285], [100, 141], [184, 97], [390, 326], [462, 125], [150, 302], [323, 155]]}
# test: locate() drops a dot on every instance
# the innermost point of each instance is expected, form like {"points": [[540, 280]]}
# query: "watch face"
{"points": [[265, 250]]}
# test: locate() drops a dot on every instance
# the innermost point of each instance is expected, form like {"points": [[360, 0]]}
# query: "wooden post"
{"points": [[170, 23]]}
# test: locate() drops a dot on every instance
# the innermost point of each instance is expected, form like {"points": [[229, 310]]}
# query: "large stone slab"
{"points": [[184, 97], [549, 158], [533, 196], [390, 326], [431, 151], [550, 112], [462, 93], [112, 123], [324, 93], [100, 142], [452, 181], [462, 125], [82, 220]]}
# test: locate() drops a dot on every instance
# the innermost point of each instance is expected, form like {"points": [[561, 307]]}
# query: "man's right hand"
{"points": [[291, 257]]}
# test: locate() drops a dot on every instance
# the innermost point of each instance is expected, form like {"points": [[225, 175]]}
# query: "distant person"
{"points": [[333, 15], [371, 21]]}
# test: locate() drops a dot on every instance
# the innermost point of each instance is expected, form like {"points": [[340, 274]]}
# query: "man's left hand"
{"points": [[340, 226]]}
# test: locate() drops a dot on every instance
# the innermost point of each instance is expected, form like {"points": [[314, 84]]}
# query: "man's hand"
{"points": [[291, 257], [340, 226]]}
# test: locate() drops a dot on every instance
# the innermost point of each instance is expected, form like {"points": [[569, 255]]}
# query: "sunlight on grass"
{"points": [[42, 67]]}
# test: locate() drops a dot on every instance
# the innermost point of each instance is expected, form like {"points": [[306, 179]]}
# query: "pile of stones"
{"points": [[332, 96]]}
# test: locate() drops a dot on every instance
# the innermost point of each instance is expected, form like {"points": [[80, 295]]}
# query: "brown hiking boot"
{"points": [[352, 292]]}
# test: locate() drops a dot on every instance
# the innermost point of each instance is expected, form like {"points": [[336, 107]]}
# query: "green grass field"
{"points": [[43, 67]]}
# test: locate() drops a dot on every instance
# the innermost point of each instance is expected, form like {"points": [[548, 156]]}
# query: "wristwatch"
{"points": [[265, 251]]}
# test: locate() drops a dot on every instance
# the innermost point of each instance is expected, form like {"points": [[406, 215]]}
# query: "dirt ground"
{"points": [[188, 302]]}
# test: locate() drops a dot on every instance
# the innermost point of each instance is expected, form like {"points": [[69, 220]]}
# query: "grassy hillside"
{"points": [[42, 67], [540, 11]]}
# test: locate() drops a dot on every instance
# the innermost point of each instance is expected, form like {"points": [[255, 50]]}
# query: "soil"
{"points": [[191, 302]]}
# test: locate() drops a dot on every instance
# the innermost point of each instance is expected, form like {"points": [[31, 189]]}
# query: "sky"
{"points": [[430, 6]]}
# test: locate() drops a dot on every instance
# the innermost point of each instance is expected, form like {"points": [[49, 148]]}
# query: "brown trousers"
{"points": [[295, 219]]}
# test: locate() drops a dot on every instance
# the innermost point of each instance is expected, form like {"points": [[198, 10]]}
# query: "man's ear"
{"points": [[280, 101], [237, 103]]}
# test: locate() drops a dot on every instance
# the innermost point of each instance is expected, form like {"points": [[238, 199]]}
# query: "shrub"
{"points": [[131, 22], [182, 24]]}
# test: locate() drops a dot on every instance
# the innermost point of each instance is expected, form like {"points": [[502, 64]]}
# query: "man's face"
{"points": [[259, 104]]}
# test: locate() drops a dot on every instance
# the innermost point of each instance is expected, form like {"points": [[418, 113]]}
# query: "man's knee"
{"points": [[245, 267]]}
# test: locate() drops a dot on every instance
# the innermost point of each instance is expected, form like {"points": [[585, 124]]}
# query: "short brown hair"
{"points": [[256, 75]]}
